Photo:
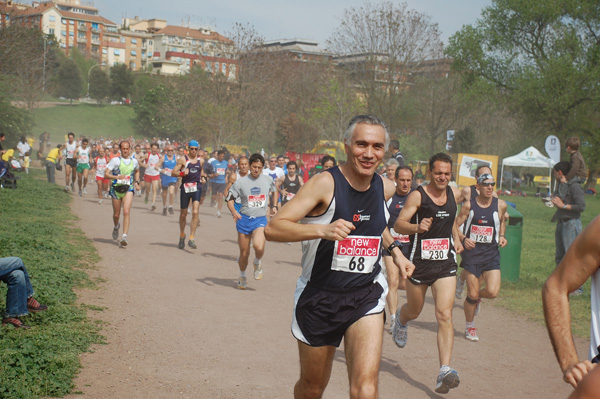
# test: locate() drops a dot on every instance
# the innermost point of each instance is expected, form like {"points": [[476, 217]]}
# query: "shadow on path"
{"points": [[225, 282], [221, 256]]}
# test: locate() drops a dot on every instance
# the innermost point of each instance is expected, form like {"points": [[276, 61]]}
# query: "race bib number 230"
{"points": [[356, 254], [435, 249]]}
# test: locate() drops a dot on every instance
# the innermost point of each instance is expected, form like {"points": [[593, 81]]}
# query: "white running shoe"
{"points": [[124, 240], [218, 214], [84, 191], [67, 189], [460, 286], [241, 284], [471, 334], [258, 272], [100, 201], [80, 193], [447, 379]]}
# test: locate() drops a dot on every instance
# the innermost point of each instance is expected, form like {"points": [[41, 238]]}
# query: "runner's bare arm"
{"points": [[502, 207], [580, 262], [314, 198], [389, 188], [467, 243], [403, 224], [178, 167], [230, 180]]}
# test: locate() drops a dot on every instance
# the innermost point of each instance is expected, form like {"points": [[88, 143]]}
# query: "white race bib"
{"points": [[124, 182], [257, 201], [435, 248], [190, 187], [356, 254], [220, 171], [167, 171], [482, 234], [289, 196]]}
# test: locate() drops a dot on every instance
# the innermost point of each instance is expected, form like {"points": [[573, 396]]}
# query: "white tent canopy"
{"points": [[530, 158]]}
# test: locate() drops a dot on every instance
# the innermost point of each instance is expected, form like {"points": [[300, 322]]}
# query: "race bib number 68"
{"points": [[356, 254]]}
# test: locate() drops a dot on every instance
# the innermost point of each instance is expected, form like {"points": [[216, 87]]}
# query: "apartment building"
{"points": [[191, 47], [74, 25]]}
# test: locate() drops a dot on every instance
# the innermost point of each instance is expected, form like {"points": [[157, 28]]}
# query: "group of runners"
{"points": [[348, 218]]}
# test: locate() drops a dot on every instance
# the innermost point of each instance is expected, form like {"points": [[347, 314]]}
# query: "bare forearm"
{"points": [[558, 321], [406, 227], [282, 230]]}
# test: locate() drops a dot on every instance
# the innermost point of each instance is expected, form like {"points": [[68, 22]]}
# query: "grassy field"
{"points": [[537, 263], [38, 226], [84, 119]]}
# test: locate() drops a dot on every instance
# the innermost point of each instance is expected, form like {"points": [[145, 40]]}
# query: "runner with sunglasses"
{"points": [[483, 232]]}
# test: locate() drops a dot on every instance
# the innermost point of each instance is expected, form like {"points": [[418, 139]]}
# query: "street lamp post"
{"points": [[88, 79]]}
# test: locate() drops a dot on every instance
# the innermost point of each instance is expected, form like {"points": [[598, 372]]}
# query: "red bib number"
{"points": [[435, 248], [482, 234], [356, 254]]}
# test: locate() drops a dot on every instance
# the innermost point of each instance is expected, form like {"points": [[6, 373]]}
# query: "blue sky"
{"points": [[282, 19]]}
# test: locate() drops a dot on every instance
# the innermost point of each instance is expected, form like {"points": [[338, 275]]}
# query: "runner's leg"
{"points": [[315, 370], [127, 201], [443, 291], [362, 346]]}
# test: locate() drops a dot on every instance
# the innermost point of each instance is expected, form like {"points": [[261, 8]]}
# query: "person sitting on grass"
{"points": [[19, 297]]}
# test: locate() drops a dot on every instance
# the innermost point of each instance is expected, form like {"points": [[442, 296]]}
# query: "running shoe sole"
{"points": [[449, 381], [123, 242]]}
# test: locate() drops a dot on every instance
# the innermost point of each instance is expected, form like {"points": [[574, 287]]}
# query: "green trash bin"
{"points": [[510, 255]]}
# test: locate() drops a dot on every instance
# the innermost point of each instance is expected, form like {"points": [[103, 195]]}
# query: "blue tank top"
{"points": [[220, 168], [482, 226], [434, 248], [169, 165], [354, 261]]}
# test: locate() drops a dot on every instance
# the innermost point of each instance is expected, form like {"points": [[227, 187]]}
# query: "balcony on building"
{"points": [[82, 27]]}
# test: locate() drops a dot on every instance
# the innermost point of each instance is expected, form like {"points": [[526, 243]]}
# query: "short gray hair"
{"points": [[392, 162], [369, 120]]}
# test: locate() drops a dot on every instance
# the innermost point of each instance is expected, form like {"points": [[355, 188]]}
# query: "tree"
{"points": [[70, 83], [121, 82], [99, 85], [541, 59], [27, 58], [14, 122], [381, 46]]}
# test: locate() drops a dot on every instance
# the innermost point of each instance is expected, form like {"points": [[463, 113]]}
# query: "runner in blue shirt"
{"points": [[218, 180]]}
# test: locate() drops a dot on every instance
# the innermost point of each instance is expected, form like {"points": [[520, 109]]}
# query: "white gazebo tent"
{"points": [[529, 157]]}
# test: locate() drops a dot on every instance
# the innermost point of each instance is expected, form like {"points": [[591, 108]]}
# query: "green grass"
{"points": [[84, 119], [37, 226], [537, 263]]}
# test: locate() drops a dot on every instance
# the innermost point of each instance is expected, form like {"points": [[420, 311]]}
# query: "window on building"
{"points": [[51, 18], [133, 53], [104, 51], [71, 33], [96, 37], [122, 40], [51, 31], [133, 41], [81, 37], [224, 68], [63, 21], [150, 42], [132, 65], [71, 22], [217, 67], [117, 51], [63, 32], [208, 66]]}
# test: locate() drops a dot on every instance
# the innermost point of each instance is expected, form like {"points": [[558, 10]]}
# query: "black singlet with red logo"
{"points": [[434, 247], [482, 226], [354, 261], [291, 186]]}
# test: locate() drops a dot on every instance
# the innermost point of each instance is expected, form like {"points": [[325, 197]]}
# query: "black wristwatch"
{"points": [[395, 244]]}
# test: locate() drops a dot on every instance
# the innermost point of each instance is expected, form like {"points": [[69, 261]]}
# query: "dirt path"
{"points": [[177, 327]]}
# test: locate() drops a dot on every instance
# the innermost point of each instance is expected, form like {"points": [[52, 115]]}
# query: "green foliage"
{"points": [[14, 122], [541, 59], [99, 85], [152, 120], [121, 82], [39, 228], [70, 83], [92, 121], [464, 141]]}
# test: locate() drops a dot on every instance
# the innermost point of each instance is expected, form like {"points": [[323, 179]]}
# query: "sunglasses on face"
{"points": [[492, 184], [193, 149]]}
